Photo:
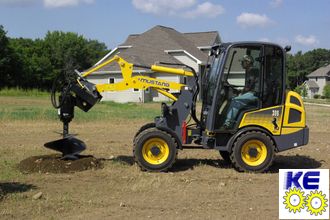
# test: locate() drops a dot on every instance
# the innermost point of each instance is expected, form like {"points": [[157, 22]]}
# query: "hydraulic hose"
{"points": [[65, 89]]}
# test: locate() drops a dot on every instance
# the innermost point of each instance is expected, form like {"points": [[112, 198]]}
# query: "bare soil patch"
{"points": [[199, 186], [54, 164]]}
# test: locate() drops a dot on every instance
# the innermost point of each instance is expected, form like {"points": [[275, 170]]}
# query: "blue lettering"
{"points": [[293, 179], [311, 177]]}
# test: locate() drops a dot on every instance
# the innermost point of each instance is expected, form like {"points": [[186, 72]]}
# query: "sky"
{"points": [[303, 24]]}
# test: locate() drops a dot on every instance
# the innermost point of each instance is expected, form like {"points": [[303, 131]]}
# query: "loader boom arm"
{"points": [[84, 94], [140, 82]]}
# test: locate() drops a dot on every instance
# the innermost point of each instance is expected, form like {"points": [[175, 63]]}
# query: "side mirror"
{"points": [[215, 51], [287, 48]]}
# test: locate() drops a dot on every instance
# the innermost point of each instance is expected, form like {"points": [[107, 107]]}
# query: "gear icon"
{"points": [[316, 202], [294, 200]]}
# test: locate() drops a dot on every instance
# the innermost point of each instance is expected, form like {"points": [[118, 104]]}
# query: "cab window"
{"points": [[241, 85], [273, 77]]}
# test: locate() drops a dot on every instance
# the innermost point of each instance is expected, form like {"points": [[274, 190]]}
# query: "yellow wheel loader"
{"points": [[246, 114]]}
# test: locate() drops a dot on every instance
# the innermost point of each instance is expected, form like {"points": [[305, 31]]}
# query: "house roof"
{"points": [[322, 71], [130, 39], [156, 44], [203, 39], [312, 84], [200, 39]]}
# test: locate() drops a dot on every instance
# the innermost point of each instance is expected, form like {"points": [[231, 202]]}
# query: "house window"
{"points": [[147, 90], [111, 80], [136, 90], [316, 79]]}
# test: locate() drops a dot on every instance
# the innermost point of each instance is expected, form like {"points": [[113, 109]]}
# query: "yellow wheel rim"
{"points": [[155, 151], [254, 152]]}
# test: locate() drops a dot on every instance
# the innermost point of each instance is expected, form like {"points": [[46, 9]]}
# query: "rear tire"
{"points": [[252, 152], [154, 150]]}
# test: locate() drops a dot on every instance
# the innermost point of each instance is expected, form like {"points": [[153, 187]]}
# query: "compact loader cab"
{"points": [[247, 113], [243, 77]]}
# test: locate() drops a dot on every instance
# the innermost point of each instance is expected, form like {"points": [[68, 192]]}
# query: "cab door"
{"points": [[240, 86], [270, 113]]}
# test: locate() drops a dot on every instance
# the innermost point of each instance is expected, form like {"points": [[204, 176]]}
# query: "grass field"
{"points": [[16, 92], [40, 108], [199, 186], [318, 101]]}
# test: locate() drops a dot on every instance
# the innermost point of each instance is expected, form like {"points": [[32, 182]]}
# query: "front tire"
{"points": [[252, 152], [154, 150]]}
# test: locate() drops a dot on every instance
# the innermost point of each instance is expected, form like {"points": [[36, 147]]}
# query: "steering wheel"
{"points": [[233, 87]]}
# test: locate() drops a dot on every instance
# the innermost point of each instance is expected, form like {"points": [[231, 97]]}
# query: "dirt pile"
{"points": [[54, 164]]}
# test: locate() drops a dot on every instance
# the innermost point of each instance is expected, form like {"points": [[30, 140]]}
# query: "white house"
{"points": [[317, 80], [159, 44]]}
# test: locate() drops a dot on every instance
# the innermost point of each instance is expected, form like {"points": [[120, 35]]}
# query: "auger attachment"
{"points": [[74, 91]]}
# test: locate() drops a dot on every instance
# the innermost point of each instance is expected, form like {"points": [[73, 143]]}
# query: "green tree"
{"points": [[96, 51], [35, 64], [69, 51], [9, 67], [326, 91], [41, 60], [300, 65], [301, 90]]}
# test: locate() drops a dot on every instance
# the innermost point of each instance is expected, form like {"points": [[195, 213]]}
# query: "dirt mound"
{"points": [[54, 164]]}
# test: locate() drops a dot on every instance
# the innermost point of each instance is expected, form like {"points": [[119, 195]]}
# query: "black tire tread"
{"points": [[139, 136], [144, 127], [237, 166]]}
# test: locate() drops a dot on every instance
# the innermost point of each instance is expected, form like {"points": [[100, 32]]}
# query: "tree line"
{"points": [[301, 64], [27, 63]]}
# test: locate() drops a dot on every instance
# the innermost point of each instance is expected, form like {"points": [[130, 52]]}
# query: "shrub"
{"points": [[316, 96], [301, 90], [326, 91]]}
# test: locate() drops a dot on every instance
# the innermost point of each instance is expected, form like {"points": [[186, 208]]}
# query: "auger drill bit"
{"points": [[84, 96]]}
